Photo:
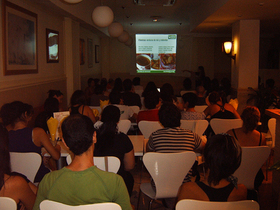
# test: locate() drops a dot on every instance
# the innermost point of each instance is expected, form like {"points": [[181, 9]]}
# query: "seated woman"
{"points": [[248, 136], [110, 142], [15, 116], [78, 105], [58, 95], [222, 154], [190, 100], [218, 108], [98, 96], [12, 184]]}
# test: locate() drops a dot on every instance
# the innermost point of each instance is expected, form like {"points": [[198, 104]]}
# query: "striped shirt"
{"points": [[170, 140]]}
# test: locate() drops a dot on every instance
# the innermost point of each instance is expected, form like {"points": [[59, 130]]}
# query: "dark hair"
{"points": [[151, 99], [14, 112], [5, 167], [191, 98], [89, 81], [127, 85], [214, 97], [187, 83], [270, 83], [104, 83], [115, 97], [98, 89], [106, 133], [222, 154], [78, 97], [251, 117], [77, 131], [96, 81], [169, 115], [51, 105], [151, 86], [136, 81], [118, 85], [53, 93]]}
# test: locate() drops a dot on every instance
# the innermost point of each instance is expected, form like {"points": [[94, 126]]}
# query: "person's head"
{"points": [[4, 155], [127, 85], [118, 84], [98, 90], [136, 81], [190, 99], [78, 97], [56, 94], [151, 100], [110, 113], [187, 83], [90, 82], [78, 133], [16, 111], [115, 97], [270, 83], [222, 155], [167, 89], [251, 117], [103, 84], [96, 81], [214, 97], [200, 90], [169, 115], [51, 105], [151, 86]]}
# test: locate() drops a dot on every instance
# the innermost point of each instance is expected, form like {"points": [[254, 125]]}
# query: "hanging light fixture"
{"points": [[123, 37], [73, 1], [102, 16], [115, 29], [227, 49]]}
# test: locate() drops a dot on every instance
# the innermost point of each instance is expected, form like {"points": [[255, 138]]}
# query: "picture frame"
{"points": [[20, 46], [96, 53], [82, 51], [52, 38], [90, 53]]}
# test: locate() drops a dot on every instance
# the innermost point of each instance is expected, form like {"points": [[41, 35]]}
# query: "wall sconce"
{"points": [[227, 49]]}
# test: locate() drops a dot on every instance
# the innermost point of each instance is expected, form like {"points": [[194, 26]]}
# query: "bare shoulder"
{"points": [[15, 183]]}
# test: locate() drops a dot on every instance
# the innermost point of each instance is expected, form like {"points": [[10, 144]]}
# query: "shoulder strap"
{"points": [[260, 139], [233, 131], [83, 109]]}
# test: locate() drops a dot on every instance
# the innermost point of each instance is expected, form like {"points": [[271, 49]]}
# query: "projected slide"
{"points": [[156, 53]]}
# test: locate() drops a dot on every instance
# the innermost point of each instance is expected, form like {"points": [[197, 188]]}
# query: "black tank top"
{"points": [[75, 109], [223, 113]]}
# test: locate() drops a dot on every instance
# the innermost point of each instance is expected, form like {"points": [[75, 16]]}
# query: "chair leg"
{"points": [[151, 203], [139, 199]]}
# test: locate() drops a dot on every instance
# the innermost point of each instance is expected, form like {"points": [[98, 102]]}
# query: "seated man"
{"points": [[81, 182], [189, 104]]}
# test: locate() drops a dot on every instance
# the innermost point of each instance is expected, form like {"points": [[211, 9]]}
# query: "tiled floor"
{"points": [[265, 191]]}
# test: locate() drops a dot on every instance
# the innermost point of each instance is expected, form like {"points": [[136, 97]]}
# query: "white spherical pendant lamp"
{"points": [[102, 16], [129, 41], [123, 37], [115, 29], [73, 1]]}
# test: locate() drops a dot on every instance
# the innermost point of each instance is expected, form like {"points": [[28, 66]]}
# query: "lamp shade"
{"points": [[129, 41], [227, 47], [115, 29], [73, 1], [102, 16], [123, 37]]}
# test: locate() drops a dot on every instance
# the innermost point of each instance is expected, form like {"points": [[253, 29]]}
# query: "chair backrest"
{"points": [[196, 126], [135, 109], [7, 203], [107, 163], [148, 127], [210, 205], [26, 163], [200, 108], [168, 170], [124, 125], [272, 130], [48, 204], [252, 160], [223, 125]]}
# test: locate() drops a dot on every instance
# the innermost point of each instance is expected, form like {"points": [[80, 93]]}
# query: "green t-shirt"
{"points": [[83, 187]]}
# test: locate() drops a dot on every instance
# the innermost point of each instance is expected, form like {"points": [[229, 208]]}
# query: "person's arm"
{"points": [[263, 143], [237, 116], [40, 138], [88, 112], [149, 146], [198, 143], [207, 111], [129, 160]]}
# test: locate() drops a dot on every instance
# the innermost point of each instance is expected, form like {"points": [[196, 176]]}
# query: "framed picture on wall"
{"points": [[82, 51], [52, 38], [19, 40], [90, 53], [96, 53]]}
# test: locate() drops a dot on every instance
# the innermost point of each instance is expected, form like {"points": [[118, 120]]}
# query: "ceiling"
{"points": [[184, 17]]}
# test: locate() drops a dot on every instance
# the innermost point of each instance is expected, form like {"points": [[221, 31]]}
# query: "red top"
{"points": [[148, 115]]}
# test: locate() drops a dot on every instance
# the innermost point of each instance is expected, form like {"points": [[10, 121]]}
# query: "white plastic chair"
{"points": [[135, 109], [26, 163], [7, 203], [252, 160], [210, 205], [168, 171], [224, 125], [272, 130], [148, 127], [200, 108], [196, 126], [124, 125], [52, 205], [107, 163]]}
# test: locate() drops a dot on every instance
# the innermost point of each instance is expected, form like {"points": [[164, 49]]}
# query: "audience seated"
{"points": [[118, 86], [200, 92], [152, 103], [15, 116], [58, 95], [190, 100], [222, 155], [110, 142], [130, 98], [151, 86], [137, 87], [12, 184], [248, 136], [98, 96], [81, 182], [78, 105], [89, 91], [115, 98]]}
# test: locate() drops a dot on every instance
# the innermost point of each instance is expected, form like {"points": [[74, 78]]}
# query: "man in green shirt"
{"points": [[81, 182]]}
